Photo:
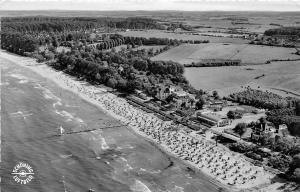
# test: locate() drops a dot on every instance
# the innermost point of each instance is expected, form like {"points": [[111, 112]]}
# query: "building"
{"points": [[142, 95], [212, 119], [163, 91], [182, 101], [260, 130]]}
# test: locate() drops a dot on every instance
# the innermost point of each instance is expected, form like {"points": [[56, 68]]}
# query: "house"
{"points": [[212, 119], [181, 101], [162, 91], [262, 129], [216, 107]]}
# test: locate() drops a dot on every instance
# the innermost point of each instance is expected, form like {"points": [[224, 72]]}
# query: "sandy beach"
{"points": [[227, 167]]}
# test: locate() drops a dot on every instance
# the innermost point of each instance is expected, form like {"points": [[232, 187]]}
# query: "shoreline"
{"points": [[147, 125]]}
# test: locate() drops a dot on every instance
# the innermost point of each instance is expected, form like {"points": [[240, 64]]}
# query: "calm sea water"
{"points": [[111, 159]]}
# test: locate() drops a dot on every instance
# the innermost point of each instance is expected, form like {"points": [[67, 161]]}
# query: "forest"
{"points": [[260, 99], [120, 70], [284, 31], [63, 24], [25, 34], [124, 70]]}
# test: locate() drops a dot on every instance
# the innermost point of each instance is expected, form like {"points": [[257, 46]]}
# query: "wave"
{"points": [[139, 186], [19, 76], [66, 114]]}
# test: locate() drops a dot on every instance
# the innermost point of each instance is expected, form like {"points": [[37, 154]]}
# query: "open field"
{"points": [[279, 77], [171, 35], [249, 54]]}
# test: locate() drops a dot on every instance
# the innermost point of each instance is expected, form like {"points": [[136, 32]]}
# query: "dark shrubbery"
{"points": [[241, 147], [288, 31], [260, 99]]}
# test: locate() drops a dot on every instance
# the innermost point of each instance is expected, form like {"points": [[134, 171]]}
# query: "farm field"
{"points": [[171, 35], [279, 77], [249, 54]]}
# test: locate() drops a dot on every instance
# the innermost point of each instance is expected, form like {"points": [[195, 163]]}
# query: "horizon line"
{"points": [[166, 10]]}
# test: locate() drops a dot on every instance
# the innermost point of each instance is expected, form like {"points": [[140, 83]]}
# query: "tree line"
{"points": [[260, 99], [215, 63], [26, 34], [53, 24], [285, 31]]}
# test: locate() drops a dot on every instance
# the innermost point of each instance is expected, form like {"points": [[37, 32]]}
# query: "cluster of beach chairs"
{"points": [[221, 164]]}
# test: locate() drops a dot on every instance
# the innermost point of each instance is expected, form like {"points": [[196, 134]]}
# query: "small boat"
{"points": [[61, 130]]}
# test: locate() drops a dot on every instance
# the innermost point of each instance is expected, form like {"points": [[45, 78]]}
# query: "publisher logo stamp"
{"points": [[22, 173]]}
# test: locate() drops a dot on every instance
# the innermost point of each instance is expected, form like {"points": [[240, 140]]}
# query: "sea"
{"points": [[96, 151]]}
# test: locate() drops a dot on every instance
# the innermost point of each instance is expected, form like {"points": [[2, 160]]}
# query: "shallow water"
{"points": [[112, 158]]}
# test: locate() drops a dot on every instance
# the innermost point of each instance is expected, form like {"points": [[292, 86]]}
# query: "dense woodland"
{"points": [[63, 24], [125, 70], [260, 99], [25, 34], [120, 70], [284, 31]]}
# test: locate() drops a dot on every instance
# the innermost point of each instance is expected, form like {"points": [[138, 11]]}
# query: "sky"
{"points": [[184, 5]]}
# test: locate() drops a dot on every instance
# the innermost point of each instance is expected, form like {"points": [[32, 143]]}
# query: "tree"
{"points": [[122, 84], [49, 56], [169, 98], [296, 174], [131, 86], [55, 42], [298, 108], [294, 128], [192, 101], [215, 94], [140, 43], [294, 168], [262, 120], [231, 115], [200, 103], [112, 83], [240, 129]]}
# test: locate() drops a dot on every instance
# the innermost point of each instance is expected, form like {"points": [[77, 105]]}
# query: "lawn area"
{"points": [[248, 54]]}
